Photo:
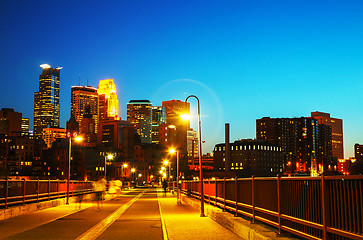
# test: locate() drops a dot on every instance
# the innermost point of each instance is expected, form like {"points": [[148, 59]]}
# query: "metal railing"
{"points": [[20, 192], [326, 207]]}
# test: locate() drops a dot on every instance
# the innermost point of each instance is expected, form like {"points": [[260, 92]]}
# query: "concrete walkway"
{"points": [[183, 222]]}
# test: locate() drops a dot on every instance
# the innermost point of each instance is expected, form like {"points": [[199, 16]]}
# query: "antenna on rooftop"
{"points": [[79, 79]]}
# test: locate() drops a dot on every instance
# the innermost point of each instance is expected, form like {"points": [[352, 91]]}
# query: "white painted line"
{"points": [[165, 233], [99, 228]]}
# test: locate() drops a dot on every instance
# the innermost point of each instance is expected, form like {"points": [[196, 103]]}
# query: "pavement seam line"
{"points": [[163, 225], [99, 228]]}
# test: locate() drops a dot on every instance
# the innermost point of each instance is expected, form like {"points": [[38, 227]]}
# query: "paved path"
{"points": [[137, 214]]}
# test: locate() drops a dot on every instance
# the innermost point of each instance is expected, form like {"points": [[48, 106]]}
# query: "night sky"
{"points": [[244, 59]]}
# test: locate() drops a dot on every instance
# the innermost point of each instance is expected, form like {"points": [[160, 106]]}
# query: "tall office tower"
{"points": [[84, 101], [108, 102], [46, 101], [10, 122], [336, 125], [305, 143], [25, 126], [158, 117], [139, 113]]}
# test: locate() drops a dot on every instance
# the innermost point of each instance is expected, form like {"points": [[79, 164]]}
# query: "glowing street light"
{"points": [[109, 157], [200, 157], [77, 139]]}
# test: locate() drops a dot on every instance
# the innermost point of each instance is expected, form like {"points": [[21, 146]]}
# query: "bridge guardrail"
{"points": [[326, 207], [17, 192]]}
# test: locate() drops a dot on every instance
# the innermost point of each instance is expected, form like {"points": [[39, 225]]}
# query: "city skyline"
{"points": [[243, 60]]}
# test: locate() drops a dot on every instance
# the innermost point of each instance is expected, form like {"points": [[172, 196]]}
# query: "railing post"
{"points": [[209, 190], [253, 199], [325, 207], [236, 194], [58, 187], [279, 200], [24, 187], [6, 193], [216, 193], [49, 189], [38, 190], [224, 194]]}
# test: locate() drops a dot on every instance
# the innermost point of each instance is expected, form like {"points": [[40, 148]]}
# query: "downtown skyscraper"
{"points": [[107, 100], [139, 113], [46, 100], [84, 101]]}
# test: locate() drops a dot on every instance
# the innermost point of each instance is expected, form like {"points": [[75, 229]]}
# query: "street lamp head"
{"points": [[163, 168], [185, 117], [172, 150], [133, 169], [172, 126], [109, 157], [166, 162], [125, 165], [78, 139]]}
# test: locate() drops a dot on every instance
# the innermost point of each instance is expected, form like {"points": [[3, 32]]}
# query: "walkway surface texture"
{"points": [[135, 214]]}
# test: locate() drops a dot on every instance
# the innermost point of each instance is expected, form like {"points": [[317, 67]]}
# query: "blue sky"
{"points": [[244, 59]]}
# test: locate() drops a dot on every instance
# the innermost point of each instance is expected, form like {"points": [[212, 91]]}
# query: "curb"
{"points": [[243, 228]]}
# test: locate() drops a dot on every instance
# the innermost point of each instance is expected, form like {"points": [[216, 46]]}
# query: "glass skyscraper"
{"points": [[46, 101]]}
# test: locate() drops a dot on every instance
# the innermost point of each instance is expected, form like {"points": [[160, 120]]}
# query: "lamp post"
{"points": [[109, 157], [77, 139], [167, 163], [200, 158], [124, 166], [177, 173], [133, 172]]}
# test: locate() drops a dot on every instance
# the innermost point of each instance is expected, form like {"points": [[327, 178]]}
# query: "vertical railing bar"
{"points": [[236, 195], [216, 193], [347, 197], [49, 190], [340, 220], [353, 228], [333, 205], [209, 187], [253, 199], [224, 194], [361, 208], [324, 199], [345, 205], [279, 201], [6, 193], [38, 190], [24, 189]]}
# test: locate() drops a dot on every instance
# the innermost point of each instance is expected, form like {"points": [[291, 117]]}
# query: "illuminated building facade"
{"points": [[139, 113], [46, 101], [49, 135], [158, 117], [84, 101], [250, 157], [336, 132], [192, 146], [108, 102], [305, 143], [25, 126]]}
